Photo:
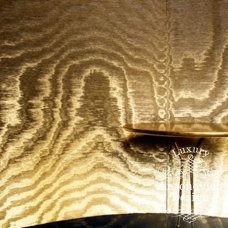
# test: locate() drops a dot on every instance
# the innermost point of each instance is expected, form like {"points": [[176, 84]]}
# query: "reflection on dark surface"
{"points": [[137, 220]]}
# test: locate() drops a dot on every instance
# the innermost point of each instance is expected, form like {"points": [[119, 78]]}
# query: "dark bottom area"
{"points": [[138, 220]]}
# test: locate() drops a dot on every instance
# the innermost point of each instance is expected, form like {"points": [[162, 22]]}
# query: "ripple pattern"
{"points": [[73, 72]]}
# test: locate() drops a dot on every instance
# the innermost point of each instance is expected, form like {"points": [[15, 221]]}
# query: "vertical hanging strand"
{"points": [[180, 184], [191, 170]]}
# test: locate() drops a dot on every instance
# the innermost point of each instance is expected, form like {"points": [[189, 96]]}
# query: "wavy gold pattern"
{"points": [[74, 72]]}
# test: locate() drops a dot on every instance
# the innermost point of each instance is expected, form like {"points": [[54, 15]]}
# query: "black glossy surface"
{"points": [[137, 220]]}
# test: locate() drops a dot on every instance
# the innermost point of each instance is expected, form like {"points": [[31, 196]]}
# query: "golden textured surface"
{"points": [[179, 129], [73, 72]]}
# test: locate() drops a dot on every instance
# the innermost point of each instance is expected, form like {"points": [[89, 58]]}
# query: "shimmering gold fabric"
{"points": [[73, 72]]}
